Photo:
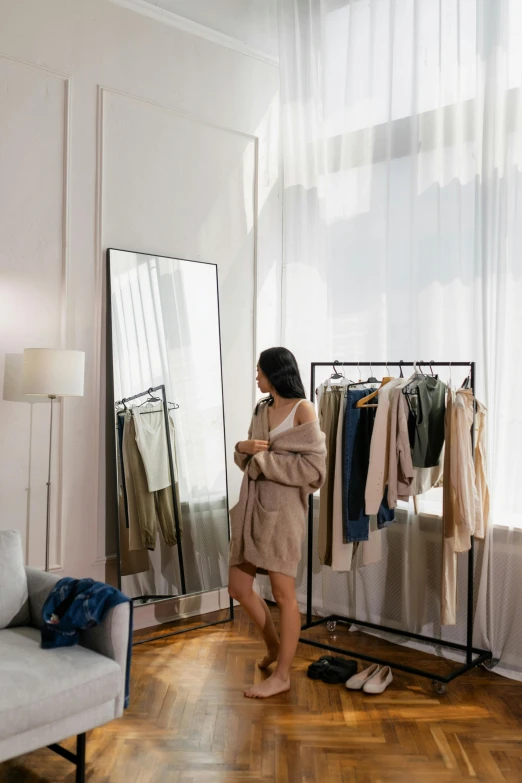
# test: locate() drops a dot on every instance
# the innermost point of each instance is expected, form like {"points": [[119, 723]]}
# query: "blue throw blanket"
{"points": [[73, 605]]}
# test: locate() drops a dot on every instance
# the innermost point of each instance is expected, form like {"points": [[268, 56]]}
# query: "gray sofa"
{"points": [[48, 695]]}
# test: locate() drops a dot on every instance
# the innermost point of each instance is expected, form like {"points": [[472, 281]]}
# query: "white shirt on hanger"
{"points": [[152, 443]]}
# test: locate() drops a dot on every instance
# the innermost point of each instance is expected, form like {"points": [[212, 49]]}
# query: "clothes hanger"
{"points": [[411, 386], [150, 398], [171, 406], [335, 376], [467, 381], [371, 379], [365, 400]]}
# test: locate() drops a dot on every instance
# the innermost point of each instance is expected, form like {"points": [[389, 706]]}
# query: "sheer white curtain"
{"points": [[402, 132]]}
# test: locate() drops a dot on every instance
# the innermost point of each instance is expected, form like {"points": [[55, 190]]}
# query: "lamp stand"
{"points": [[52, 397]]}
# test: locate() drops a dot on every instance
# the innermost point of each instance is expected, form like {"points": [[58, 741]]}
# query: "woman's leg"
{"points": [[241, 588], [283, 590]]}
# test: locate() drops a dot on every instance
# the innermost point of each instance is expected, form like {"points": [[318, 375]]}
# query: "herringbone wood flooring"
{"points": [[189, 723]]}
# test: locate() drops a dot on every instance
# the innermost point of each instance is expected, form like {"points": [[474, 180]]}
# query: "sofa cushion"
{"points": [[38, 687], [14, 603]]}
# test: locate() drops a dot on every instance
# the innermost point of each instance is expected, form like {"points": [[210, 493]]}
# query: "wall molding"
{"points": [[60, 536], [64, 320], [195, 28], [100, 270]]}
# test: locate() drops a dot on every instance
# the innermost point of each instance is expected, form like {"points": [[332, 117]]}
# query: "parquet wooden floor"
{"points": [[189, 723]]}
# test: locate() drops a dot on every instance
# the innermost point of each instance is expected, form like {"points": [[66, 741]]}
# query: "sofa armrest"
{"points": [[39, 585], [111, 638]]}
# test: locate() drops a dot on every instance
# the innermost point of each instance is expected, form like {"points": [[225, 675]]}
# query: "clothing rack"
{"points": [[177, 522], [440, 681]]}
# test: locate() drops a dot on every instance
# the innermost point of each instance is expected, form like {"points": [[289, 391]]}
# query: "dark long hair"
{"points": [[280, 367]]}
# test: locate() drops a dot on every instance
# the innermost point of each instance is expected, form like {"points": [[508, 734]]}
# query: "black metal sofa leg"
{"points": [[77, 758], [80, 758]]}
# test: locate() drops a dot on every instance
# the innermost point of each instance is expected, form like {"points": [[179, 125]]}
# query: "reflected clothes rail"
{"points": [[474, 656], [144, 599]]}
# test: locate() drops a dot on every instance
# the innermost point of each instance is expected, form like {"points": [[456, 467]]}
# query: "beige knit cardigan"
{"points": [[268, 524]]}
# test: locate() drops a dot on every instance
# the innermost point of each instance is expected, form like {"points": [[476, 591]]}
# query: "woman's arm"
{"points": [[245, 449], [240, 459], [292, 470]]}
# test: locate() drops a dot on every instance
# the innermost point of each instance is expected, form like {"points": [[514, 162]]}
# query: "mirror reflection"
{"points": [[169, 426]]}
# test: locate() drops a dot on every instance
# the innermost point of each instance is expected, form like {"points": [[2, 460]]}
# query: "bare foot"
{"points": [[271, 657], [270, 687]]}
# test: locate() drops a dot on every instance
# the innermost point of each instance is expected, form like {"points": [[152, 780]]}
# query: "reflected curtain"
{"points": [[402, 139]]}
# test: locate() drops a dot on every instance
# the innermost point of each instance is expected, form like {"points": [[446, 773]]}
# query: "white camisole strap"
{"points": [[288, 423]]}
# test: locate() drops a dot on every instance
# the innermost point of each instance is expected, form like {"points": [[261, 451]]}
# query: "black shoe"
{"points": [[332, 670], [339, 671], [316, 669]]}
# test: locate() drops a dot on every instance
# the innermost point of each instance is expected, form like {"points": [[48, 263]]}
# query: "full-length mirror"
{"points": [[168, 426]]}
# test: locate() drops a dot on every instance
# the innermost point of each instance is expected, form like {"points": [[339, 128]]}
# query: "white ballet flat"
{"points": [[358, 681], [379, 682]]}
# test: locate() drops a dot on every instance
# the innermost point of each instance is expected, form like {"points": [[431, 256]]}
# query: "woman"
{"points": [[283, 461]]}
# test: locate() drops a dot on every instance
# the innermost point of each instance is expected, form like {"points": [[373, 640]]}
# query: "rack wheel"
{"points": [[490, 663], [440, 687]]}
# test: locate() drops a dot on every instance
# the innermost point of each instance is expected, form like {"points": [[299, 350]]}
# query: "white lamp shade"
{"points": [[52, 372]]}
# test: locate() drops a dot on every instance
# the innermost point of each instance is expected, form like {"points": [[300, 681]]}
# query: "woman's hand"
{"points": [[252, 447]]}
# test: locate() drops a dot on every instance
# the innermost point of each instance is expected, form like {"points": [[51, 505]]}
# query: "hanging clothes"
{"points": [[344, 554], [120, 423], [150, 507], [481, 481], [380, 449], [133, 559], [358, 431], [429, 408], [152, 443], [428, 478], [401, 473], [376, 459], [391, 463], [133, 523], [465, 490], [330, 405]]}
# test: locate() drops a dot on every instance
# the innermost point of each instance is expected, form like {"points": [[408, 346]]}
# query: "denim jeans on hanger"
{"points": [[358, 429]]}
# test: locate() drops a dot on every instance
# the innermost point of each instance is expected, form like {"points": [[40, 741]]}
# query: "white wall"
{"points": [[117, 130]]}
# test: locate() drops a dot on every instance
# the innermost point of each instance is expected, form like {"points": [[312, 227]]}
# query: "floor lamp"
{"points": [[49, 372]]}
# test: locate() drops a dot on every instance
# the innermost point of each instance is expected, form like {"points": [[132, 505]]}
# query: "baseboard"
{"points": [[152, 615]]}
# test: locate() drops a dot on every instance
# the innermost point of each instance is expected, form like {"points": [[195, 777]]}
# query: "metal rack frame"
{"points": [[440, 681]]}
